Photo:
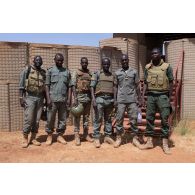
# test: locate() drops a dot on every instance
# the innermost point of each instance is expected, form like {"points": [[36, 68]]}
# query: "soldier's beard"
{"points": [[37, 66], [106, 69], [156, 61], [84, 68], [125, 66], [59, 65]]}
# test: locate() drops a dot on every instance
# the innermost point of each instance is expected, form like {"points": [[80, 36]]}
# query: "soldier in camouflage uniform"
{"points": [[32, 89], [82, 95], [158, 82], [127, 90], [58, 92], [102, 92]]}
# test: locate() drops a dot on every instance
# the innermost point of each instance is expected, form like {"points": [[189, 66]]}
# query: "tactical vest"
{"points": [[157, 79], [35, 81], [105, 84], [83, 81]]}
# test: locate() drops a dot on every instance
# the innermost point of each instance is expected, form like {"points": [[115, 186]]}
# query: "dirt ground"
{"points": [[11, 151]]}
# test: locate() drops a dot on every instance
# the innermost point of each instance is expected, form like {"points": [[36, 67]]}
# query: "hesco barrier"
{"points": [[75, 53], [47, 52], [140, 37], [188, 97], [173, 51], [4, 106], [126, 46], [142, 60], [13, 57], [11, 114], [16, 111]]}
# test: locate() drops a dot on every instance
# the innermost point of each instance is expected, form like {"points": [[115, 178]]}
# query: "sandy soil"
{"points": [[183, 150]]}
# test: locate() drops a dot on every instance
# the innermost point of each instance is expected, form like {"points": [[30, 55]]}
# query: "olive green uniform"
{"points": [[81, 81], [158, 96], [103, 85], [127, 83], [58, 80], [33, 82]]}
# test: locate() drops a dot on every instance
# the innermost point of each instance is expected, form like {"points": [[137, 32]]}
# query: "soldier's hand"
{"points": [[22, 102]]}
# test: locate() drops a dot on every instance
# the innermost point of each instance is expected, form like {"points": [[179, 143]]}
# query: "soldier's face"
{"points": [[38, 62], [84, 64], [125, 62], [155, 55], [59, 61], [106, 66]]}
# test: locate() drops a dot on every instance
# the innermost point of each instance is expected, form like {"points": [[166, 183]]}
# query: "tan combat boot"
{"points": [[49, 139], [136, 142], [77, 139], [33, 140], [118, 141], [25, 141], [148, 144], [108, 139], [165, 146], [97, 143], [86, 136], [61, 139]]}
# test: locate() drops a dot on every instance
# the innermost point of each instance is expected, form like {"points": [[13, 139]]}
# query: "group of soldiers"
{"points": [[60, 90]]}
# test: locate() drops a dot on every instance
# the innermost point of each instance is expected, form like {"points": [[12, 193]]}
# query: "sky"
{"points": [[87, 39]]}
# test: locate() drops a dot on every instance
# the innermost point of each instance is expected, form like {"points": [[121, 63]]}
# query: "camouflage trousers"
{"points": [[61, 109], [103, 111], [86, 113], [32, 114], [161, 103], [132, 111]]}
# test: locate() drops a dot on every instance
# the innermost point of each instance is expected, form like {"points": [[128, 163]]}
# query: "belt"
{"points": [[39, 94], [83, 92], [105, 95], [157, 94]]}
